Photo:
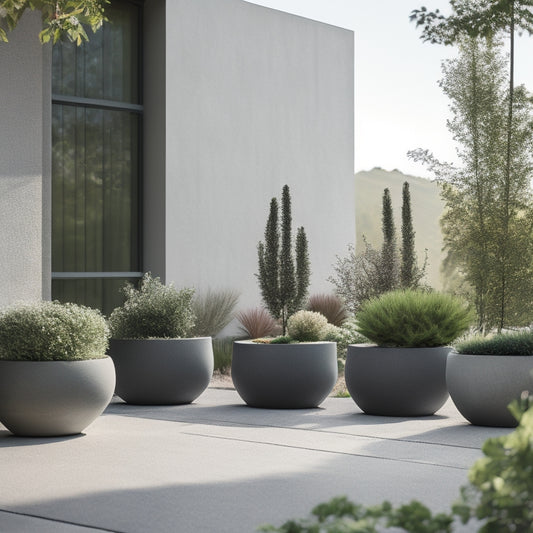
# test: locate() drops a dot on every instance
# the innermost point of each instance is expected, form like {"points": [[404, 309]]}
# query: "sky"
{"points": [[399, 105]]}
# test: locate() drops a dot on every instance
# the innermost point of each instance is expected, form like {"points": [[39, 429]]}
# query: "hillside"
{"points": [[426, 207]]}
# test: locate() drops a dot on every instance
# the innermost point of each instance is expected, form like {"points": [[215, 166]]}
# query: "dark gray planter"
{"points": [[397, 381], [482, 386], [284, 376], [54, 398], [162, 371]]}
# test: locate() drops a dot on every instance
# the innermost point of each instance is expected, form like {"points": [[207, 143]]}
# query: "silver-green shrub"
{"points": [[213, 310], [345, 335], [154, 310], [51, 331], [513, 343], [306, 326], [413, 319]]}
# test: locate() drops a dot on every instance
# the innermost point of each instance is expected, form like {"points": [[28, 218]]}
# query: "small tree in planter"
{"points": [[283, 287], [155, 360], [55, 377]]}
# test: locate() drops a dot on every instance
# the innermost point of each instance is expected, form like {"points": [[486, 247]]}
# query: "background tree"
{"points": [[488, 220], [61, 18], [389, 255], [486, 18], [283, 288], [408, 264]]}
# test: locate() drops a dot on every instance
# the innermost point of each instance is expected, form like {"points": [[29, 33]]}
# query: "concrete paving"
{"points": [[220, 466]]}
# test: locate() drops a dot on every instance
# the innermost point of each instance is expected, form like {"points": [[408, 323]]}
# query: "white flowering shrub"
{"points": [[343, 336], [51, 331], [307, 326], [153, 311]]}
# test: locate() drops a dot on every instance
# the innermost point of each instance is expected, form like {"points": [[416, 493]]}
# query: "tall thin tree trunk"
{"points": [[507, 190]]}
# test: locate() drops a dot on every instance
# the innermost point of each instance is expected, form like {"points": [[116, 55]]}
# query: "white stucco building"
{"points": [[158, 146]]}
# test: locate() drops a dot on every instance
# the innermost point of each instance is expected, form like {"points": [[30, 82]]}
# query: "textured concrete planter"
{"points": [[397, 381], [54, 398], [162, 371], [284, 376], [482, 386]]}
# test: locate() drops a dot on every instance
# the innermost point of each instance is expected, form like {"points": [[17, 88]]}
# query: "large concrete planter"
{"points": [[162, 371], [397, 381], [54, 398], [284, 376], [482, 386]]}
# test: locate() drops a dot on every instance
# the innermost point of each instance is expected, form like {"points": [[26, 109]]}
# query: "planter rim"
{"points": [[160, 339], [249, 341], [54, 360], [373, 345], [491, 355]]}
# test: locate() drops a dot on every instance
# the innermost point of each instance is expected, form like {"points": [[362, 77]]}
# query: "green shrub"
{"points": [[306, 326], [222, 353], [51, 331], [282, 339], [407, 318], [516, 343], [153, 311], [329, 305], [213, 311]]}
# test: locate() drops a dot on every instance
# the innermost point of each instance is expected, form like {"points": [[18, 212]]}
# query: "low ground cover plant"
{"points": [[154, 310], [413, 318], [512, 343], [52, 331], [499, 495]]}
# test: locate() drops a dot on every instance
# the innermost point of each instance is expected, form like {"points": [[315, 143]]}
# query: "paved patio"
{"points": [[219, 466]]}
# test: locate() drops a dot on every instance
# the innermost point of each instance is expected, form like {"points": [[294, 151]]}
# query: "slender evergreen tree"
{"points": [[409, 265], [389, 257], [283, 288]]}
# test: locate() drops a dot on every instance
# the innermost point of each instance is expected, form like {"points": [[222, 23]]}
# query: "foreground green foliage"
{"points": [[51, 331], [153, 311], [499, 496], [61, 18], [413, 319], [514, 343]]}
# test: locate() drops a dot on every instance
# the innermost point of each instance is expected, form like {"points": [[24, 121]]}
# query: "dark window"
{"points": [[96, 161]]}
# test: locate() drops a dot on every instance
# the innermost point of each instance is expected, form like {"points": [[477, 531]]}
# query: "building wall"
{"points": [[25, 160], [255, 99]]}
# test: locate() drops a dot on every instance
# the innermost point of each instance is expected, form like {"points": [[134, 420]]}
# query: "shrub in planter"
{"points": [[155, 361], [307, 326], [484, 374], [55, 377], [404, 374]]}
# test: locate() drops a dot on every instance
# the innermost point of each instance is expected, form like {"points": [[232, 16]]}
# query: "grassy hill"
{"points": [[426, 207]]}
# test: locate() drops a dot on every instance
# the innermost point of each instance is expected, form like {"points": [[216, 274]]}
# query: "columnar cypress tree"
{"points": [[389, 261], [302, 268], [408, 265], [283, 290]]}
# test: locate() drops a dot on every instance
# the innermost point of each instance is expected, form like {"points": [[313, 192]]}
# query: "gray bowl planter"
{"points": [[482, 386], [162, 371], [284, 376], [397, 381], [54, 398]]}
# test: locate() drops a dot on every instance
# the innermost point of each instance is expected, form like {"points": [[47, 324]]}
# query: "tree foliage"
{"points": [[359, 277], [62, 19], [283, 286], [488, 222]]}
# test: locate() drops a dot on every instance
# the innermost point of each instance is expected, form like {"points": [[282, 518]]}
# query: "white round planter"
{"points": [[54, 398], [397, 381], [482, 386], [162, 371], [284, 376]]}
